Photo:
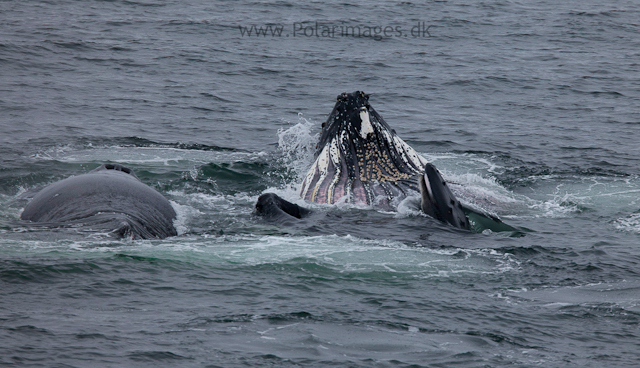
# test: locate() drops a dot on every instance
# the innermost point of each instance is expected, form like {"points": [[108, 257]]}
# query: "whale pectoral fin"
{"points": [[480, 222], [438, 201], [272, 206]]}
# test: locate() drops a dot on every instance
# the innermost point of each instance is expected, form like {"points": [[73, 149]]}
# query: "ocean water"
{"points": [[533, 107]]}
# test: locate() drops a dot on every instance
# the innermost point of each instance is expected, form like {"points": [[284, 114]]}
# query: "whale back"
{"points": [[109, 198]]}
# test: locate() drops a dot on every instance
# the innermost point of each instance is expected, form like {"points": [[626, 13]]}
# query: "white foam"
{"points": [[351, 254], [289, 193], [630, 223], [343, 254], [548, 196], [409, 207], [144, 156], [184, 214]]}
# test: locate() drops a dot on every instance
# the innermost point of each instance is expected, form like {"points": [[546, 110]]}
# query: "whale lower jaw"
{"points": [[438, 201]]}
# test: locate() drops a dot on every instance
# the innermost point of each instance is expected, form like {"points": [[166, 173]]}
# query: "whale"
{"points": [[110, 198], [359, 159], [438, 201]]}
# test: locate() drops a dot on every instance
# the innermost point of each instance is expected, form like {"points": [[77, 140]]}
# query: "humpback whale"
{"points": [[359, 159], [110, 198]]}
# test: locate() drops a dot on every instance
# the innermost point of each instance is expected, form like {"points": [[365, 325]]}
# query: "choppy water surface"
{"points": [[533, 107]]}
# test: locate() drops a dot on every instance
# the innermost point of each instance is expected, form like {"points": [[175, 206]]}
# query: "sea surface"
{"points": [[533, 106]]}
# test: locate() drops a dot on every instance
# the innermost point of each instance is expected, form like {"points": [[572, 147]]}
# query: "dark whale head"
{"points": [[351, 113], [360, 159]]}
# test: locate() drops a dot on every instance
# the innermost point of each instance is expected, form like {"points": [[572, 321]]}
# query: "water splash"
{"points": [[298, 145]]}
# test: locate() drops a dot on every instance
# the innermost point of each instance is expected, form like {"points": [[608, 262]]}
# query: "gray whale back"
{"points": [[110, 198]]}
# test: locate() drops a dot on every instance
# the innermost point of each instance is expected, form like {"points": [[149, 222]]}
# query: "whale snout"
{"points": [[344, 96]]}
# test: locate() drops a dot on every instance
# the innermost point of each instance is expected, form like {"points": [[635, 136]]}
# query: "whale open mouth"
{"points": [[360, 159]]}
